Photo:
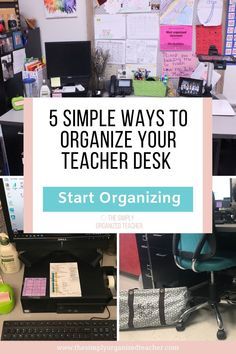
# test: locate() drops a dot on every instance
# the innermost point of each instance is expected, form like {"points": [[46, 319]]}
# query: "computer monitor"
{"points": [[222, 188], [219, 204], [12, 203], [70, 61]]}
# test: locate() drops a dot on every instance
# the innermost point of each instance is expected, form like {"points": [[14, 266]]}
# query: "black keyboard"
{"points": [[104, 330]]}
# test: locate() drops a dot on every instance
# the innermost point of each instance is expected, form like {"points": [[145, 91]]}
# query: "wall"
{"points": [[229, 84], [66, 29], [81, 28]]}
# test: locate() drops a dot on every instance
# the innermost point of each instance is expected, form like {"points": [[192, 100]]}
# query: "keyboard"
{"points": [[104, 330]]}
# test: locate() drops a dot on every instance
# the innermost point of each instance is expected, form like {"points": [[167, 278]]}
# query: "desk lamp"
{"points": [[214, 61]]}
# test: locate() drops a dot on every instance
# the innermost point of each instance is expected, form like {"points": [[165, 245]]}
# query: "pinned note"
{"points": [[179, 64], [176, 38], [4, 297], [55, 82]]}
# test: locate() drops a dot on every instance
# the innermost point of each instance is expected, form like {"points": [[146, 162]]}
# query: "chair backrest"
{"points": [[186, 246]]}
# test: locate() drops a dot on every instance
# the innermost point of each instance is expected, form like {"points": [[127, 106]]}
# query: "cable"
{"points": [[102, 318]]}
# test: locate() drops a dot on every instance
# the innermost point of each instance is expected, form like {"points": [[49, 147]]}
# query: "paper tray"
{"points": [[149, 88]]}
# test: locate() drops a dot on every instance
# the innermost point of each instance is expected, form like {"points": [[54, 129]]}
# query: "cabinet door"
{"points": [[13, 140], [129, 260]]}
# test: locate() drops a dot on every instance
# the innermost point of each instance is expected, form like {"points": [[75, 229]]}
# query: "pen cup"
{"points": [[30, 87]]}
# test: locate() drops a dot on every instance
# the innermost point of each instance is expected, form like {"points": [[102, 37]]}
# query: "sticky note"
{"points": [[34, 287], [4, 297], [55, 82]]}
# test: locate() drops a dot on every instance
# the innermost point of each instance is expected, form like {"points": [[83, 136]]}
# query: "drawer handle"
{"points": [[161, 255], [20, 133], [148, 275], [158, 235]]}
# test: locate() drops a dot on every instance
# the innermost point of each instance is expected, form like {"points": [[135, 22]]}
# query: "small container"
{"points": [[9, 261], [30, 87], [2, 25], [45, 90]]}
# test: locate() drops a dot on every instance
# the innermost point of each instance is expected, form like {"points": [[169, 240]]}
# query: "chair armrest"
{"points": [[196, 255], [175, 244], [175, 249]]}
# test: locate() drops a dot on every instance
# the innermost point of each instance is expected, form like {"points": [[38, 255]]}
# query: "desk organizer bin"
{"points": [[149, 88], [38, 75]]}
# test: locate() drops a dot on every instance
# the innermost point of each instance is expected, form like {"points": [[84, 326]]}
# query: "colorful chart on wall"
{"points": [[60, 8], [230, 41], [177, 12], [210, 12]]}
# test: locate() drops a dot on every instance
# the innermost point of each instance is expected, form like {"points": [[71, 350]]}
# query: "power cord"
{"points": [[102, 318]]}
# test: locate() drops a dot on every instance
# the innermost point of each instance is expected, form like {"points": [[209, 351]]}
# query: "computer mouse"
{"points": [[80, 88]]}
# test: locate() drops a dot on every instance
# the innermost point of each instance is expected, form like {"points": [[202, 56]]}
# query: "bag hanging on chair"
{"points": [[140, 308]]}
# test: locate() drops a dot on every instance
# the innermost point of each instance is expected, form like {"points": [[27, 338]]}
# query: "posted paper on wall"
{"points": [[116, 50], [141, 51], [176, 64], [176, 38], [112, 167], [142, 26], [110, 27]]}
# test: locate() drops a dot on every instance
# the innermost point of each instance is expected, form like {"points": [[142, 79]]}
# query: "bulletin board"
{"points": [[140, 40], [130, 32]]}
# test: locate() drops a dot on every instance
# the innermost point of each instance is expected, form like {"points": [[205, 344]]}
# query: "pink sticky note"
{"points": [[176, 38], [4, 297]]}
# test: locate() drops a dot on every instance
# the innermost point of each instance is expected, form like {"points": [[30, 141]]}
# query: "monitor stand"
{"points": [[95, 293], [90, 256]]}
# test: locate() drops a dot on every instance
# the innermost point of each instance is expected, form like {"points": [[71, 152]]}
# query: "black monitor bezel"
{"points": [[6, 214], [69, 77]]}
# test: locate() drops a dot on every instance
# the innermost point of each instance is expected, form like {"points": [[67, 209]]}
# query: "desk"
{"points": [[11, 142], [15, 280], [226, 228], [12, 117]]}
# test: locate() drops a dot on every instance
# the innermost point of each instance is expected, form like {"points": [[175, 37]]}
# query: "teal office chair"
{"points": [[199, 253]]}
